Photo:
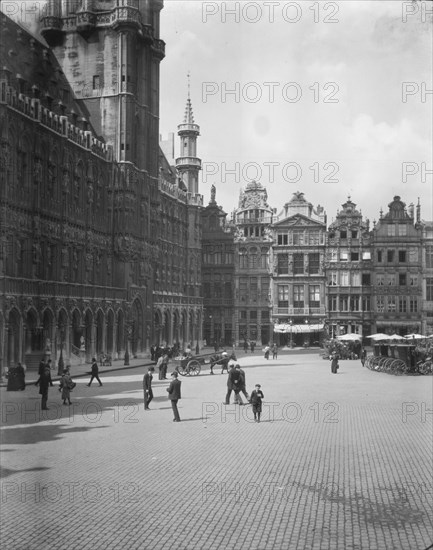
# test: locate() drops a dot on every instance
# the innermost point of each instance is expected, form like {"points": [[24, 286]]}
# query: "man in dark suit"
{"points": [[174, 395], [244, 384], [42, 365], [44, 382], [234, 383], [147, 387], [237, 382], [95, 372]]}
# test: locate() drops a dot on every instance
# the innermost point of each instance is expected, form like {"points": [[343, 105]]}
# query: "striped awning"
{"points": [[285, 327]]}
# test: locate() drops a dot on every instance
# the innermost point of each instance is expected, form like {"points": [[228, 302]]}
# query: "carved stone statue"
{"points": [[212, 193], [90, 192], [51, 177], [66, 182], [36, 250], [38, 171]]}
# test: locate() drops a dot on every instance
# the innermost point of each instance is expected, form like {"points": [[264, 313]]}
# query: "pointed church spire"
{"points": [[188, 164], [189, 116]]}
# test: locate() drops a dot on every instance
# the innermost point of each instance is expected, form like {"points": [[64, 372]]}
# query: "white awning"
{"points": [[397, 323], [286, 328]]}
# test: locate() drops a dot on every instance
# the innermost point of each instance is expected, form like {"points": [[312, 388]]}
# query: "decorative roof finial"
{"points": [[189, 117]]}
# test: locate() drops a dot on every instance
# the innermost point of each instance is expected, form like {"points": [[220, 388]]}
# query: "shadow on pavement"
{"points": [[6, 472], [28, 435]]}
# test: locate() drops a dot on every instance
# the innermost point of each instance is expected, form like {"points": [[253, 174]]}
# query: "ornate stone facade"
{"points": [[82, 244], [397, 270], [218, 270], [348, 266], [253, 242], [298, 290]]}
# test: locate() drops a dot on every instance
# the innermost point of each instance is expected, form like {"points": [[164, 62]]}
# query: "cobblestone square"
{"points": [[338, 462]]}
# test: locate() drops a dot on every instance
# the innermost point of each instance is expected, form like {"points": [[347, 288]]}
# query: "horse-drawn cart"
{"points": [[187, 366], [191, 365]]}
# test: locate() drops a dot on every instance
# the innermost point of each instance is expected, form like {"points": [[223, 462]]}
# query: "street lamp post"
{"points": [[61, 363], [128, 335], [307, 337]]}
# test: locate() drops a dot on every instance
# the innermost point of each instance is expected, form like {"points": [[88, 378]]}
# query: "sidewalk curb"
{"points": [[57, 377]]}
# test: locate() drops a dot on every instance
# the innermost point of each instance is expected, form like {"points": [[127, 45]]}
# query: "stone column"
{"points": [[170, 332]]}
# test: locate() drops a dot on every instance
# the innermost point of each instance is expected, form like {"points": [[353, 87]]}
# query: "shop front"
{"points": [[298, 335]]}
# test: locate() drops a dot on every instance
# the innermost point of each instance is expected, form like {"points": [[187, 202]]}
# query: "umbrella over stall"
{"points": [[349, 337]]}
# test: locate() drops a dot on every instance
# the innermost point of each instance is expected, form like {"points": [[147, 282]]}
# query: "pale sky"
{"points": [[352, 125], [332, 97]]}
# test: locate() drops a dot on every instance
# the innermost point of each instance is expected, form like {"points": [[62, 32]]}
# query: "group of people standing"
{"points": [[249, 345], [236, 382], [162, 366], [66, 383], [173, 390], [157, 351], [273, 349]]}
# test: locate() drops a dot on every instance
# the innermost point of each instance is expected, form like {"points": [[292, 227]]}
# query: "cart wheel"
{"points": [[425, 367], [181, 370], [399, 367], [194, 367]]}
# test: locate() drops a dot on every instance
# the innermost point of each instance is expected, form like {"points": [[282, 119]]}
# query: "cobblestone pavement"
{"points": [[338, 462]]}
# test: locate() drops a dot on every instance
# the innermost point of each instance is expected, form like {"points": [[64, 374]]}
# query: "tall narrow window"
{"points": [[283, 295], [298, 264], [298, 296], [314, 298], [313, 263], [282, 264]]}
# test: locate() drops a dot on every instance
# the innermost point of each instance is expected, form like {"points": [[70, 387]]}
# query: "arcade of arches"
{"points": [[177, 326], [82, 333]]}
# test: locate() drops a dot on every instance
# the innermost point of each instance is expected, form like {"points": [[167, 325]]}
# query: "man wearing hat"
{"points": [[174, 395], [147, 387], [234, 383], [95, 372], [44, 382]]}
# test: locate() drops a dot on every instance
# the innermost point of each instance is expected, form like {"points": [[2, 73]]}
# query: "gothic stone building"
{"points": [[80, 185], [178, 302]]}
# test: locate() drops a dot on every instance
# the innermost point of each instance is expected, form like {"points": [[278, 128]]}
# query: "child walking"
{"points": [[256, 401]]}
